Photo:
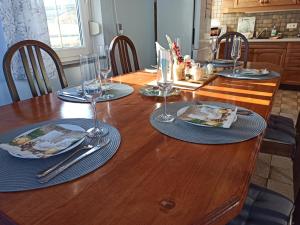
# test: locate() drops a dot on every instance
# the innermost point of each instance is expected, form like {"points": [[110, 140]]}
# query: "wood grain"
{"points": [[153, 179]]}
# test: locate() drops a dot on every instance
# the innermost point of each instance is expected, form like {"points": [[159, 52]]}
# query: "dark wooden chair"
{"points": [[37, 79], [122, 44], [280, 137], [265, 207], [228, 45]]}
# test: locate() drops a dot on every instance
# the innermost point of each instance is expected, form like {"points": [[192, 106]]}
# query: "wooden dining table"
{"points": [[152, 179]]}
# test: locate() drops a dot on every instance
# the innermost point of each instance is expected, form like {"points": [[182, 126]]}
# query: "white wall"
{"points": [[137, 18]]}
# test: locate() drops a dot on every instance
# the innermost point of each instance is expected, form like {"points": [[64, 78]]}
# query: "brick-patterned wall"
{"points": [[263, 20]]}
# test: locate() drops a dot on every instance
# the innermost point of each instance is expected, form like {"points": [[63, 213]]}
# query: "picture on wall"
{"points": [[246, 26]]}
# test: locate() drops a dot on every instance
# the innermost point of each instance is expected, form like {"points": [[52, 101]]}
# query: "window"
{"points": [[67, 24]]}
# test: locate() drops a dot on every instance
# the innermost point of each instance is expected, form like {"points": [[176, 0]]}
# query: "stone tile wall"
{"points": [[263, 20]]}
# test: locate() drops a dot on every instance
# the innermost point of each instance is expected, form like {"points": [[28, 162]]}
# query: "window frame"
{"points": [[73, 54]]}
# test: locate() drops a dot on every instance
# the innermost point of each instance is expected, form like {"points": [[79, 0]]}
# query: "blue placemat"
{"points": [[20, 174], [245, 128], [228, 73], [118, 90]]}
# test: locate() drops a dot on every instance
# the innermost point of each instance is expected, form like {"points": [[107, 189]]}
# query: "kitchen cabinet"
{"points": [[291, 74], [246, 3], [279, 2], [264, 3], [268, 52], [260, 5]]}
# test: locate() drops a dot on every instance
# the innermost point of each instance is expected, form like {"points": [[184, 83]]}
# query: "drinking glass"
{"points": [[92, 88], [105, 69], [214, 46], [236, 51], [165, 81]]}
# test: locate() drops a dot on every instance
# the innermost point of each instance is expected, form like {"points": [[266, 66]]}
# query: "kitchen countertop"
{"points": [[275, 40]]}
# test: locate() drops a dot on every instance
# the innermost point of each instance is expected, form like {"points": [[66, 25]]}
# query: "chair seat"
{"points": [[264, 207], [281, 129]]}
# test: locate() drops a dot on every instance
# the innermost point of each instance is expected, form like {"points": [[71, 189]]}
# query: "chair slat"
{"points": [[35, 70], [122, 56], [28, 72], [43, 69], [127, 57]]}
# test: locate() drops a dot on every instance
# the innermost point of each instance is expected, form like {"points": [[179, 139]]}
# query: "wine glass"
{"points": [[236, 51], [214, 46], [105, 69], [165, 81], [92, 88]]}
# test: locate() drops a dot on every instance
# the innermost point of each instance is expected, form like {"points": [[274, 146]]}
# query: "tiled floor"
{"points": [[276, 172]]}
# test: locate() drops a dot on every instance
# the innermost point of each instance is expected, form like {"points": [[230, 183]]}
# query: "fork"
{"points": [[101, 144], [89, 145]]}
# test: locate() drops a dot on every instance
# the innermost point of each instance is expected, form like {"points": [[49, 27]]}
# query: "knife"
{"points": [[59, 170], [71, 96]]}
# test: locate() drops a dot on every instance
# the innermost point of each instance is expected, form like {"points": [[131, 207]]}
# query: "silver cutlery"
{"points": [[49, 170], [64, 94], [63, 167], [241, 112]]}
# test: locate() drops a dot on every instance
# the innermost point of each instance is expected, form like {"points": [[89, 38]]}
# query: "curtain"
{"points": [[21, 20]]}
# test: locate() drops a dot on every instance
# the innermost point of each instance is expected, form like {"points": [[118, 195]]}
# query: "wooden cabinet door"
{"points": [[291, 73], [279, 2], [275, 56], [247, 3], [291, 77], [257, 3]]}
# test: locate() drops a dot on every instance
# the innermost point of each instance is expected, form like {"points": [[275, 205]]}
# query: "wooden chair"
{"points": [[123, 43], [263, 206], [280, 137], [228, 45], [39, 80]]}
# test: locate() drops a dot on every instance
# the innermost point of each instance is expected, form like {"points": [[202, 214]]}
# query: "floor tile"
{"points": [[284, 175], [265, 157], [259, 180], [282, 162], [284, 189], [262, 168]]}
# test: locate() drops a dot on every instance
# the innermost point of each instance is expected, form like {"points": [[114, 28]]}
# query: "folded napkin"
{"points": [[44, 141], [208, 115]]}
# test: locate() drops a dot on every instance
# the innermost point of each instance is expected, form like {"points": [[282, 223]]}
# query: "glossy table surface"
{"points": [[153, 179]]}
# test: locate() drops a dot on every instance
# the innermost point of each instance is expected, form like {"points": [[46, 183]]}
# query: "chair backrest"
{"points": [[123, 43], [228, 45], [41, 80]]}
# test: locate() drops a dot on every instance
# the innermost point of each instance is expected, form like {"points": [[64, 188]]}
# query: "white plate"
{"points": [[254, 72], [30, 155]]}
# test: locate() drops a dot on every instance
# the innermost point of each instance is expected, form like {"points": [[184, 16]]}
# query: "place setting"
{"points": [[57, 151], [202, 122], [100, 64], [242, 73]]}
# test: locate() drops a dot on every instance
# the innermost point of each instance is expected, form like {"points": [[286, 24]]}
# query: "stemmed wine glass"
{"points": [[165, 81], [236, 51], [214, 46], [92, 88], [105, 69]]}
